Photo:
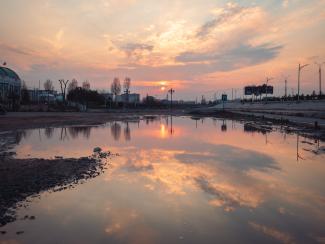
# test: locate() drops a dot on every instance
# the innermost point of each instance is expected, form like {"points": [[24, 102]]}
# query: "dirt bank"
{"points": [[30, 120], [24, 178]]}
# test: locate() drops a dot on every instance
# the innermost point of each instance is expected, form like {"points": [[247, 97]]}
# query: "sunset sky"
{"points": [[198, 47]]}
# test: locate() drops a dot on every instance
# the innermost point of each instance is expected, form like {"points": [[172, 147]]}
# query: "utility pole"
{"points": [[285, 86], [267, 83], [320, 77], [171, 91], [300, 67]]}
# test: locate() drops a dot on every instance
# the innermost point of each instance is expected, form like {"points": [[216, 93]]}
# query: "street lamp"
{"points": [[299, 71], [320, 77]]}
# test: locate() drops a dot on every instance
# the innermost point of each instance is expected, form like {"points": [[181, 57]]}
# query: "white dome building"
{"points": [[10, 85]]}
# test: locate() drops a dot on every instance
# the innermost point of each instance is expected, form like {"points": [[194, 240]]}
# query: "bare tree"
{"points": [[48, 86], [126, 85], [86, 85], [73, 85], [63, 85], [116, 87]]}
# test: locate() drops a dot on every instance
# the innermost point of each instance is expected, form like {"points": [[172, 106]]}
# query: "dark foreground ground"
{"points": [[21, 179]]}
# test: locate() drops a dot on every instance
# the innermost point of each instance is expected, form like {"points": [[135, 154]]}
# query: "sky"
{"points": [[197, 47]]}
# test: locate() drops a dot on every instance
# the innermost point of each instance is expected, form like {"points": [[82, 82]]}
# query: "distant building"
{"points": [[43, 96], [128, 98], [10, 86]]}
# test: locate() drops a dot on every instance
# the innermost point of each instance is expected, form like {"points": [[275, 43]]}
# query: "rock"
{"points": [[97, 150], [3, 232], [20, 232], [32, 217]]}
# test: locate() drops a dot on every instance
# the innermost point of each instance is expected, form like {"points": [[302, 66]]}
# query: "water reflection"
{"points": [[177, 179], [127, 132], [80, 130], [116, 131]]}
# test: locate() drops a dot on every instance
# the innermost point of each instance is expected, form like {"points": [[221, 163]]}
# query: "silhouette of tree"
{"points": [[63, 85], [86, 85], [73, 85], [48, 86], [116, 87], [127, 85]]}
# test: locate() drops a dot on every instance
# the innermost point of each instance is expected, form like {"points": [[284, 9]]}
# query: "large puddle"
{"points": [[179, 180]]}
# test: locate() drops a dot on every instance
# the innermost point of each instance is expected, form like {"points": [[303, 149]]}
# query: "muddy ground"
{"points": [[21, 179], [31, 120]]}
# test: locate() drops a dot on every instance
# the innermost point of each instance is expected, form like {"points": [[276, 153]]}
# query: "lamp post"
{"points": [[320, 77], [300, 67]]}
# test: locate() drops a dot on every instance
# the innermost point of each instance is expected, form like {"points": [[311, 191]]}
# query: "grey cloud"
{"points": [[14, 49], [225, 16], [130, 47], [228, 156], [243, 53]]}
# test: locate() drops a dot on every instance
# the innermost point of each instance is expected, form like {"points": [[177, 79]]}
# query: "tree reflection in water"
{"points": [[116, 131], [49, 132], [127, 132], [76, 131]]}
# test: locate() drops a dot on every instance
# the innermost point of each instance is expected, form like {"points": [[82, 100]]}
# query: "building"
{"points": [[128, 98], [43, 96], [10, 86]]}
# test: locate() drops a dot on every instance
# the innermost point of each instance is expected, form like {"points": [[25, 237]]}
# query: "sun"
{"points": [[162, 88]]}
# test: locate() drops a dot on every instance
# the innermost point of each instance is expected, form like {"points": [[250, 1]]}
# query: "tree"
{"points": [[73, 85], [63, 86], [126, 85], [83, 96], [48, 86], [86, 85], [116, 87], [25, 99]]}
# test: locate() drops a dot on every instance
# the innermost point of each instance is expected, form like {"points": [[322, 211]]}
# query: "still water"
{"points": [[180, 180]]}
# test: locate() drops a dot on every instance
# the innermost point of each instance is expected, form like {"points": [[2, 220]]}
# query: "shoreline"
{"points": [[17, 121]]}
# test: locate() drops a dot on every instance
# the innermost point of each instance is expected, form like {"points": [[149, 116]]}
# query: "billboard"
{"points": [[258, 90], [224, 97]]}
